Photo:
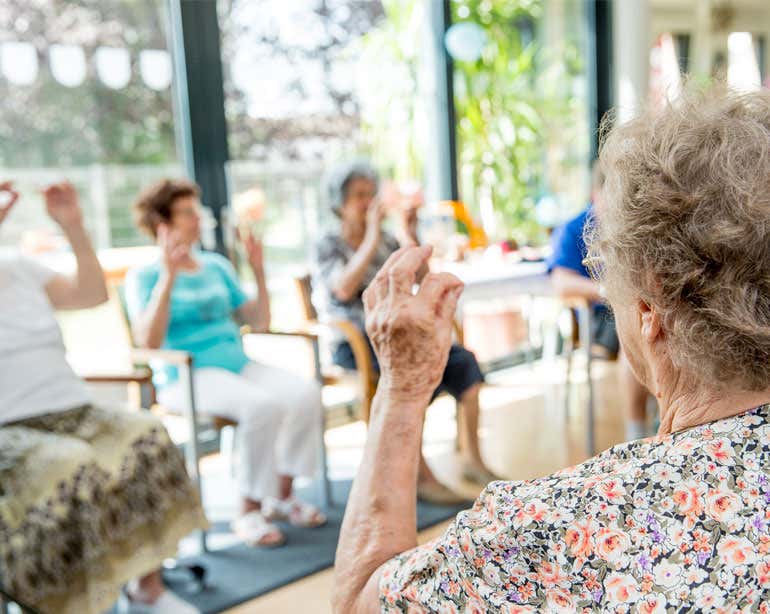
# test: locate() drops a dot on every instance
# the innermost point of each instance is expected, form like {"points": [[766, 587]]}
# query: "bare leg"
{"points": [[469, 425], [634, 397], [285, 483], [424, 473], [249, 505]]}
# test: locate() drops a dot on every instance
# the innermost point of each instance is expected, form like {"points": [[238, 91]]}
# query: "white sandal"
{"points": [[255, 530], [297, 512]]}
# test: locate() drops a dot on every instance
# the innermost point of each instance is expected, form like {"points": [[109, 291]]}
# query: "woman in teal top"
{"points": [[191, 300]]}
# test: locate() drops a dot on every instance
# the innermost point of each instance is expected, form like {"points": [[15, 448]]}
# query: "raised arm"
{"points": [[411, 335], [151, 326], [348, 283], [256, 312], [86, 288]]}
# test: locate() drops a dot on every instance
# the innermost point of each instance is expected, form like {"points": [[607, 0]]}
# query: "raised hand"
{"points": [[176, 252], [254, 250], [61, 201], [8, 198], [411, 333]]}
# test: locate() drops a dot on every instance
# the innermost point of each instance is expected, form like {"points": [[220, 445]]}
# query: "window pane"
{"points": [[86, 104], [294, 104], [522, 114]]}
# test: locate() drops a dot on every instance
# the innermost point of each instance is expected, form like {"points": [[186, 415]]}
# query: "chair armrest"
{"points": [[143, 356], [367, 378], [141, 375]]}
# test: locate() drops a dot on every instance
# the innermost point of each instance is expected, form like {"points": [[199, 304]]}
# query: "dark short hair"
{"points": [[341, 176], [153, 207]]}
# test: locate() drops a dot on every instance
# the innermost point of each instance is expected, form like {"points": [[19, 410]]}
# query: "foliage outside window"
{"points": [[522, 118], [95, 108]]}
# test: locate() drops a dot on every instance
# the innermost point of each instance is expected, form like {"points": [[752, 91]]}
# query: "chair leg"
{"points": [[192, 453], [327, 487], [227, 443], [327, 490], [568, 383]]}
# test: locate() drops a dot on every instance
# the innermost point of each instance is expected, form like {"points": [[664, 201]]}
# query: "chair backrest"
{"points": [[118, 292], [304, 287]]}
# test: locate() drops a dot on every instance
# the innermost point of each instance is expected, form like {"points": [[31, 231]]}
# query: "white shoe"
{"points": [[167, 603], [297, 512], [254, 529]]}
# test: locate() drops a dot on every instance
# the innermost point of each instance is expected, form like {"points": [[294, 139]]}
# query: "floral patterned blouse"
{"points": [[679, 523]]}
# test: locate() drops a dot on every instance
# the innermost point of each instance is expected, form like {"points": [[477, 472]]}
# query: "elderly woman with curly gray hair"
{"points": [[675, 523]]}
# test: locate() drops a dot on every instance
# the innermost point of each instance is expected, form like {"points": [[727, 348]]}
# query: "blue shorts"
{"points": [[462, 370]]}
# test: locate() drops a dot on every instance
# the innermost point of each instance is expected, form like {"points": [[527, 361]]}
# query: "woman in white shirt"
{"points": [[89, 498]]}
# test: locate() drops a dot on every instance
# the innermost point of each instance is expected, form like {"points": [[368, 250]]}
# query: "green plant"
{"points": [[516, 114], [521, 115], [393, 116]]}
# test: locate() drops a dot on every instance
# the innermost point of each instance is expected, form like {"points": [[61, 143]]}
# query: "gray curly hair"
{"points": [[339, 178], [685, 226]]}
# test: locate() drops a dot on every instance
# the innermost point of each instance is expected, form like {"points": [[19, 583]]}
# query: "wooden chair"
{"points": [[366, 375]]}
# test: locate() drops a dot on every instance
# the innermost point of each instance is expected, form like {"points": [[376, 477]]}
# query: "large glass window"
{"points": [[294, 77], [86, 95], [521, 93]]}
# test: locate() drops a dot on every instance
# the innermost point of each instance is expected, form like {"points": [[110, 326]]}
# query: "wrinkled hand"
{"points": [[411, 333], [61, 201], [254, 250], [8, 198], [175, 251]]}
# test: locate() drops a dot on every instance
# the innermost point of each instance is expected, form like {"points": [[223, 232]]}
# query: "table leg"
{"points": [[584, 324]]}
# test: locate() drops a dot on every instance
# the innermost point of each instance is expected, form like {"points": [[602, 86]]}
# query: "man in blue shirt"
{"points": [[571, 278]]}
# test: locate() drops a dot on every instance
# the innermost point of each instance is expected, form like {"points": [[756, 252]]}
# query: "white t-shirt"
{"points": [[35, 377]]}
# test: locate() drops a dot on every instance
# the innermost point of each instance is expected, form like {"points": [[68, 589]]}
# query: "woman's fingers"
{"points": [[436, 286], [403, 272], [397, 275], [378, 289], [448, 305]]}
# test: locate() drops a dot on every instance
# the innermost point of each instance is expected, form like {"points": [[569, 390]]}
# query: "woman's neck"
{"points": [[683, 406]]}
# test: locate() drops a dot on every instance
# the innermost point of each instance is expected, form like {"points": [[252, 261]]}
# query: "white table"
{"points": [[488, 279]]}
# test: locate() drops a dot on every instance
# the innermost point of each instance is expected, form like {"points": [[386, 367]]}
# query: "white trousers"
{"points": [[278, 415]]}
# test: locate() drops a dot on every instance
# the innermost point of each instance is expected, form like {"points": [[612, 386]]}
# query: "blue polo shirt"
{"points": [[201, 321], [569, 249]]}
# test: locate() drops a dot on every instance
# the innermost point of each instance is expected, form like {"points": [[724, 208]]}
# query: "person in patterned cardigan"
{"points": [[675, 523], [91, 499]]}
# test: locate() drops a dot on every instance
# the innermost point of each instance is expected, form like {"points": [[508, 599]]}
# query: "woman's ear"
{"points": [[652, 327]]}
